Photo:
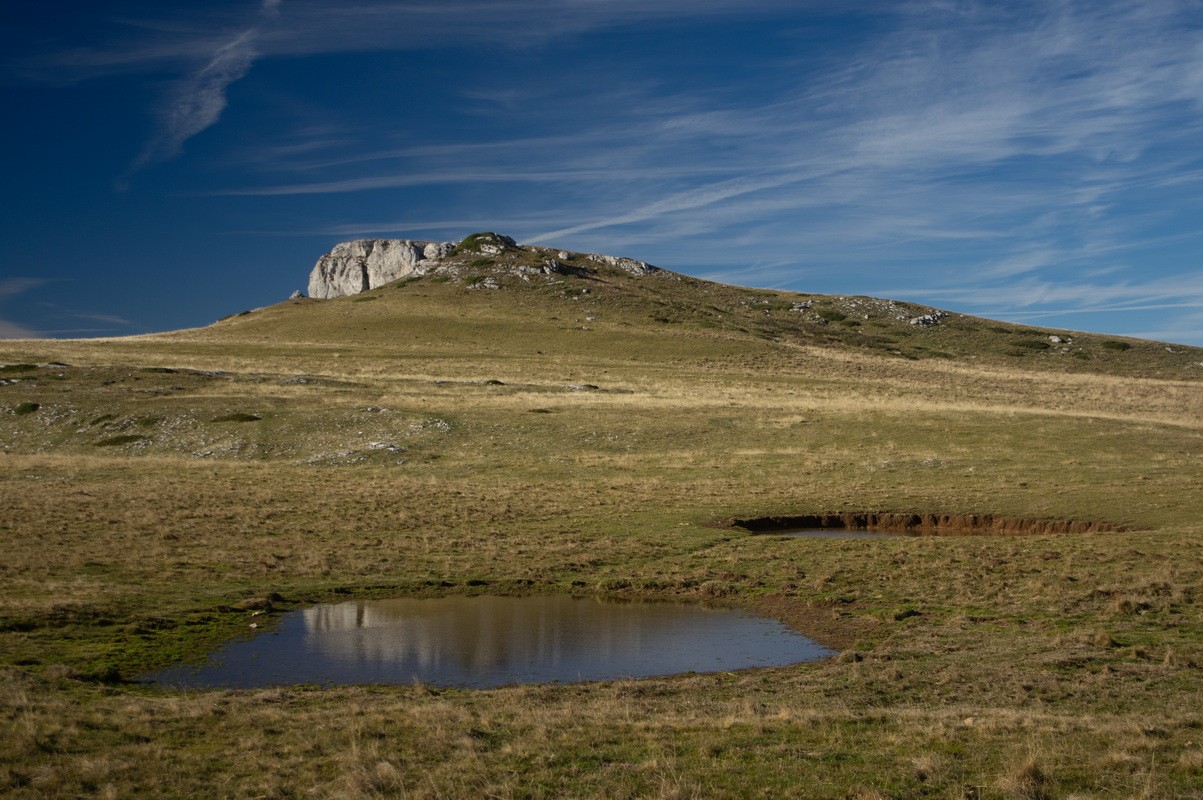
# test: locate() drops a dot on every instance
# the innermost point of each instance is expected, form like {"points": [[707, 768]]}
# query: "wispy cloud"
{"points": [[961, 114], [688, 200], [1128, 302], [11, 287], [1186, 328], [14, 286], [112, 319], [1070, 296], [316, 27], [11, 330], [49, 313], [1021, 157], [470, 176], [197, 102]]}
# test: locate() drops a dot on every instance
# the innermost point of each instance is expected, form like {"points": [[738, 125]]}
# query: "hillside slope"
{"points": [[597, 430], [516, 297]]}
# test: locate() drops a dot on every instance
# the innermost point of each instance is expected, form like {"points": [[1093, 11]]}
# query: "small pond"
{"points": [[484, 642], [833, 533]]}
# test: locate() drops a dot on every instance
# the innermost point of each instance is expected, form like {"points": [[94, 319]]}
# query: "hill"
{"points": [[499, 425], [630, 307]]}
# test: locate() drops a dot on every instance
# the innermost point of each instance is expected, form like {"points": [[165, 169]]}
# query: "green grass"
{"points": [[970, 666]]}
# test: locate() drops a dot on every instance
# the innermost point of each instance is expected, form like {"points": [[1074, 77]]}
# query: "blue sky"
{"points": [[167, 164]]}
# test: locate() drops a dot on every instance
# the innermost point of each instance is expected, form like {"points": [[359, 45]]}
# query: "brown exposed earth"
{"points": [[929, 524]]}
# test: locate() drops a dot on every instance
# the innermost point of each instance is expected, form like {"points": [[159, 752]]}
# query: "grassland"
{"points": [[448, 438]]}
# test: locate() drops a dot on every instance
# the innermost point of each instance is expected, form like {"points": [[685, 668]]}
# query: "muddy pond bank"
{"points": [[888, 522]]}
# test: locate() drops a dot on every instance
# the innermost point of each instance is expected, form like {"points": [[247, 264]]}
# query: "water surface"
{"points": [[483, 642], [832, 533]]}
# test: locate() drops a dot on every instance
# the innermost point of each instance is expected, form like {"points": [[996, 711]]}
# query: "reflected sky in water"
{"points": [[833, 533], [482, 642]]}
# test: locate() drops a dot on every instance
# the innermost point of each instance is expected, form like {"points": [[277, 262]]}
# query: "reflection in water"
{"points": [[835, 533], [493, 641]]}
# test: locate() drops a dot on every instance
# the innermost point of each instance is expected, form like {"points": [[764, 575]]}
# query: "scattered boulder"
{"points": [[297, 295], [486, 243], [625, 264], [929, 319]]}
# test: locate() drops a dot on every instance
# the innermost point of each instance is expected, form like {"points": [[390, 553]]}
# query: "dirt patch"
{"points": [[930, 524]]}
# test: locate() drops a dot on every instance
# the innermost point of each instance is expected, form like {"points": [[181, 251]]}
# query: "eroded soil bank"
{"points": [[932, 524]]}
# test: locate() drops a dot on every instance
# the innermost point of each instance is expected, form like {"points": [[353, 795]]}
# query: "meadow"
{"points": [[433, 438]]}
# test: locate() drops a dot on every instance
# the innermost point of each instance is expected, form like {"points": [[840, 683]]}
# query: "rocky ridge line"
{"points": [[358, 266]]}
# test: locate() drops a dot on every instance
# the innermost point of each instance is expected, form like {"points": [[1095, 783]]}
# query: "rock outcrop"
{"points": [[353, 267], [928, 320], [487, 243], [625, 264]]}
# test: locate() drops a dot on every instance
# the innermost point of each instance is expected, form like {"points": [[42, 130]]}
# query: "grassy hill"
{"points": [[588, 430]]}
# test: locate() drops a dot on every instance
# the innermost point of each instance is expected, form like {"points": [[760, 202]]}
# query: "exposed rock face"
{"points": [[626, 264], [353, 267]]}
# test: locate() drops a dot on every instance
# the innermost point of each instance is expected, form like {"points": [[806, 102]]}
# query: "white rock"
{"points": [[625, 264], [929, 319], [353, 267]]}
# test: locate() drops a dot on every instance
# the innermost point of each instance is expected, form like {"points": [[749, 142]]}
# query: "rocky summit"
{"points": [[364, 264]]}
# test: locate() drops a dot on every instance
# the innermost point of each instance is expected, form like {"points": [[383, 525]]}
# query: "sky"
{"points": [[167, 164]]}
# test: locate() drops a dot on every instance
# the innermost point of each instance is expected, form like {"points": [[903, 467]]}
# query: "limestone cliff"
{"points": [[353, 267]]}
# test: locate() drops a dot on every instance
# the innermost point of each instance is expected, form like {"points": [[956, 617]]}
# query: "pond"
{"points": [[484, 642], [833, 533]]}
